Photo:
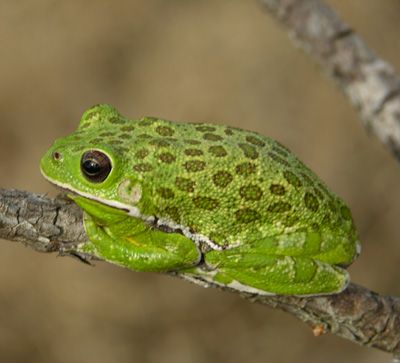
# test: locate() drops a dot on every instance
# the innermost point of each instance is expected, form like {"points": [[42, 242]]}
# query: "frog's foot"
{"points": [[148, 250], [280, 275]]}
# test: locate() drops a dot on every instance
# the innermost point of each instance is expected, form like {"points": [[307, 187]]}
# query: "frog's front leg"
{"points": [[254, 272], [143, 249]]}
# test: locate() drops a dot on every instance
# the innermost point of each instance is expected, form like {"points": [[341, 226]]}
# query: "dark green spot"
{"points": [[165, 193], [143, 167], [250, 192], [278, 159], [116, 120], [194, 165], [222, 178], [255, 141], [193, 152], [205, 128], [311, 202], [206, 203], [106, 134], [245, 169], [247, 215], [167, 158], [277, 189], [192, 142], [184, 184], [212, 137], [142, 153], [249, 151], [218, 151], [127, 128], [228, 131], [279, 207], [164, 131], [292, 178], [125, 136]]}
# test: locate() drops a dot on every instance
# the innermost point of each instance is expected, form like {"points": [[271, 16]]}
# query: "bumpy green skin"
{"points": [[213, 202]]}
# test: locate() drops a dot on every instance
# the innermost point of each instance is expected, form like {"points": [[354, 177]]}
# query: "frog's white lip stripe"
{"points": [[131, 210], [134, 212]]}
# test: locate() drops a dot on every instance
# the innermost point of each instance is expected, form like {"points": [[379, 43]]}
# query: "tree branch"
{"points": [[55, 225], [371, 84], [42, 223]]}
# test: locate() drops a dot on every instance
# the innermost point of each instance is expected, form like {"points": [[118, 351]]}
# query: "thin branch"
{"points": [[55, 225], [42, 223], [371, 84]]}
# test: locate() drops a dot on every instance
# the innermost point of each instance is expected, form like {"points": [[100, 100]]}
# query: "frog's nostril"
{"points": [[57, 155]]}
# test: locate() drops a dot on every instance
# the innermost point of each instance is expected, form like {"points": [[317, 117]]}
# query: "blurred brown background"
{"points": [[217, 61]]}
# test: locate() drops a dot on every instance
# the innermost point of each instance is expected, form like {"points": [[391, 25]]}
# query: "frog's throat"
{"points": [[152, 220]]}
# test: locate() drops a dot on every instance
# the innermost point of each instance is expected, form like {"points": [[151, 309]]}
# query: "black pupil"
{"points": [[95, 166], [92, 167]]}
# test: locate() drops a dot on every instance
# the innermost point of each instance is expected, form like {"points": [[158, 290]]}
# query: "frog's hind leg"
{"points": [[271, 274]]}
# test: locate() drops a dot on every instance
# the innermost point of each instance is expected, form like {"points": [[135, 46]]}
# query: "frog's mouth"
{"points": [[128, 209]]}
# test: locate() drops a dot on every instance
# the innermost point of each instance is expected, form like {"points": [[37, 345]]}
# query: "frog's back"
{"points": [[225, 183]]}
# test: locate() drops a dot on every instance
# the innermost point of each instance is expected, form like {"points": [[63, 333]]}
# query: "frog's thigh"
{"points": [[320, 246], [291, 275], [147, 251]]}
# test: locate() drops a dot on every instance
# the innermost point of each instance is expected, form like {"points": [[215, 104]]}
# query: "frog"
{"points": [[214, 204]]}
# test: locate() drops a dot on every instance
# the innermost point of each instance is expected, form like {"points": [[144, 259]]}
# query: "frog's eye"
{"points": [[95, 166]]}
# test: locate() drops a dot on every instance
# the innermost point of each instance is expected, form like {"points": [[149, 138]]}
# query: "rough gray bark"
{"points": [[42, 223], [371, 84], [362, 316]]}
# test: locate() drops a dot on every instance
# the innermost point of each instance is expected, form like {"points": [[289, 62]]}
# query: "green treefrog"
{"points": [[215, 204]]}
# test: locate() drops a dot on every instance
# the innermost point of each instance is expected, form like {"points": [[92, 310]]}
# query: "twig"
{"points": [[371, 84], [357, 314]]}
